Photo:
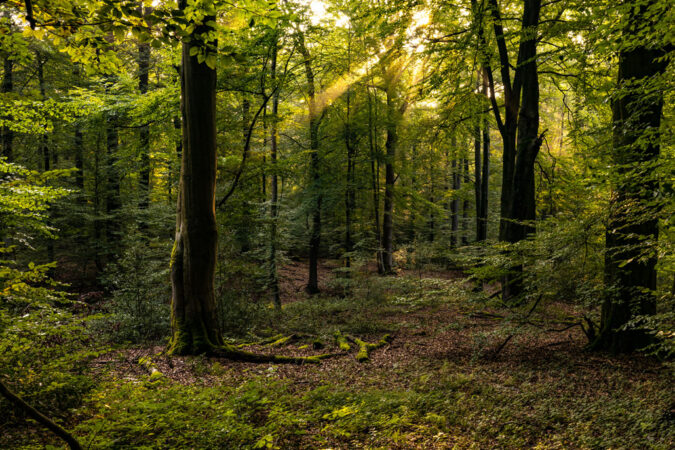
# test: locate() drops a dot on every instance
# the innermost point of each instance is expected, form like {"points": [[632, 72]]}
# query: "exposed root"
{"points": [[366, 347], [275, 341]]}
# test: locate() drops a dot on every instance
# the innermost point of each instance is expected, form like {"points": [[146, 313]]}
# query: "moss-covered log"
{"points": [[342, 342], [366, 347], [147, 364]]}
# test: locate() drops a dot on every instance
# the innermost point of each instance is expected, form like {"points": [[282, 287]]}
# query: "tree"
{"points": [[630, 259], [193, 258], [519, 129], [314, 175]]}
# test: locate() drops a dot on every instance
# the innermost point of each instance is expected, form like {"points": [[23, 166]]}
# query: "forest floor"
{"points": [[440, 383]]}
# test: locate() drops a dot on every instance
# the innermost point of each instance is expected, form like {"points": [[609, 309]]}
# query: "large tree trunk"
{"points": [[193, 259], [521, 209], [630, 273]]}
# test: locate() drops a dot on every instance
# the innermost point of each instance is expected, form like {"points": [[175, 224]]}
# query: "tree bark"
{"points": [[274, 186], [521, 205], [394, 112], [6, 134], [485, 173], [193, 259], [630, 263], [144, 132], [315, 179]]}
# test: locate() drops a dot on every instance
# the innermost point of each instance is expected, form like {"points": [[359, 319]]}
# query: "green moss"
{"points": [[342, 342]]}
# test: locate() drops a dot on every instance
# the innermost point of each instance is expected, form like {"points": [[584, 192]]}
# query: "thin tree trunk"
{"points": [[6, 134], [350, 194], [389, 180], [144, 132], [485, 173], [454, 204], [274, 188], [315, 191], [374, 175], [478, 184], [465, 204], [44, 150]]}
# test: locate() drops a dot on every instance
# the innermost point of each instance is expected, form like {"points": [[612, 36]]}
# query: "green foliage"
{"points": [[138, 282], [44, 345]]}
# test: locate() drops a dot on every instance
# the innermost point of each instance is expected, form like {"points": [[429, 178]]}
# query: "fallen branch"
{"points": [[148, 365], [342, 342], [40, 418], [365, 347], [235, 354]]}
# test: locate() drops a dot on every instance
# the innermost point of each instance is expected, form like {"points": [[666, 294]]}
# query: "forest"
{"points": [[382, 224]]}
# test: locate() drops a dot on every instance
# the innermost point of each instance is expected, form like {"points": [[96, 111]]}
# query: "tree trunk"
{"points": [[630, 273], [6, 134], [112, 189], [350, 194], [315, 191], [465, 203], [193, 259], [144, 132], [521, 207], [389, 180], [44, 149], [274, 187], [375, 175], [485, 173], [477, 169], [454, 203]]}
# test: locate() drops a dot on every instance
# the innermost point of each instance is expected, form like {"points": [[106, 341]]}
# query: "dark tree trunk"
{"points": [[144, 132], [350, 193], [274, 187], [44, 150], [465, 203], [485, 173], [521, 208], [112, 189], [193, 259], [375, 175], [630, 272], [454, 203], [315, 191], [7, 135], [389, 180], [477, 185]]}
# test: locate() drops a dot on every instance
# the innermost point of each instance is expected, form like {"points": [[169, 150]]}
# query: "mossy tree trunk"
{"points": [[193, 259]]}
